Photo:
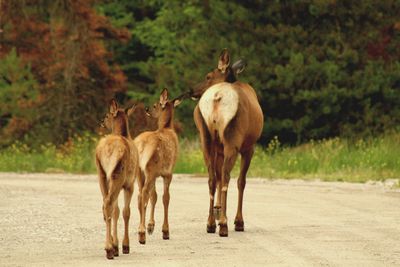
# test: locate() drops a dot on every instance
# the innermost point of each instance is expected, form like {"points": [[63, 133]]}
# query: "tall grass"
{"points": [[334, 159], [75, 156]]}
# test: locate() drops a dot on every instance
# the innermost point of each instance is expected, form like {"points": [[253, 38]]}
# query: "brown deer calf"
{"points": [[158, 151], [117, 166]]}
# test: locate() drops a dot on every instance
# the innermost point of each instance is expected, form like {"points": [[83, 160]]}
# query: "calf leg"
{"points": [[128, 192], [145, 195], [241, 183], [141, 181], [153, 201], [165, 228], [108, 203], [230, 154], [115, 217]]}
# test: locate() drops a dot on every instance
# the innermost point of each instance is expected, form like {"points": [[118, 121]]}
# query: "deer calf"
{"points": [[117, 166], [158, 152]]}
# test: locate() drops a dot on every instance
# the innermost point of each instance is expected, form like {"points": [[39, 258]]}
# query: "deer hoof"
{"points": [[150, 228], [110, 253], [217, 212], [142, 238], [125, 249], [223, 230], [165, 235], [239, 226], [211, 228], [116, 251]]}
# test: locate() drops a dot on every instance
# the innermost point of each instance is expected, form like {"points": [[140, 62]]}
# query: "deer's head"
{"points": [[225, 72], [163, 110], [116, 119]]}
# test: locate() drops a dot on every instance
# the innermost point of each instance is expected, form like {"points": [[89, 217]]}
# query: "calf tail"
{"points": [[115, 166]]}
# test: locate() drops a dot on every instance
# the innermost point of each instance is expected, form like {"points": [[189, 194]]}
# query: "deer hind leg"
{"points": [[102, 182], [128, 192], [153, 201], [230, 154], [209, 158], [141, 181], [108, 212], [165, 227], [115, 216], [218, 169], [241, 183], [143, 201]]}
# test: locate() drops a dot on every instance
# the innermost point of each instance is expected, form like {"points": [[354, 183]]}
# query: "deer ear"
{"points": [[238, 66], [164, 97], [177, 101], [113, 107], [223, 62], [129, 111]]}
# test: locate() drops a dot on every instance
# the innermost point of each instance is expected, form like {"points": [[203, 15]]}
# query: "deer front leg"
{"points": [[128, 192], [241, 183], [153, 201], [230, 154], [165, 228]]}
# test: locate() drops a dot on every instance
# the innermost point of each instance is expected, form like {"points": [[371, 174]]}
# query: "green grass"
{"points": [[75, 156], [333, 160]]}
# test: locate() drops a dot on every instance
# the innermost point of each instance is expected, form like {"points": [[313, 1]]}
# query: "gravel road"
{"points": [[56, 219]]}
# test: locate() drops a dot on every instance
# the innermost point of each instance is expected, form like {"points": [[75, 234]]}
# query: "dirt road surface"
{"points": [[56, 219]]}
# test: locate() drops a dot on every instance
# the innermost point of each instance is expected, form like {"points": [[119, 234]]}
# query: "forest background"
{"points": [[327, 73]]}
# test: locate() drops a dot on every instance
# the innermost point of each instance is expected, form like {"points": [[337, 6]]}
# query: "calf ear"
{"points": [[238, 66], [223, 62], [177, 101], [113, 107], [129, 111], [164, 97]]}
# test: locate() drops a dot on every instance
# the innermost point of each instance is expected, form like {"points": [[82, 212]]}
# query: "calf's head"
{"points": [[116, 120], [163, 110]]}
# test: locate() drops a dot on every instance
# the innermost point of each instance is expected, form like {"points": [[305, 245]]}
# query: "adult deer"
{"points": [[158, 152], [117, 166], [229, 120]]}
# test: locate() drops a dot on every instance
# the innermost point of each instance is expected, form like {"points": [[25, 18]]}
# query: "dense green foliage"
{"points": [[321, 68]]}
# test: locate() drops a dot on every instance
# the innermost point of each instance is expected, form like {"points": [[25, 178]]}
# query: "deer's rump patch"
{"points": [[218, 105]]}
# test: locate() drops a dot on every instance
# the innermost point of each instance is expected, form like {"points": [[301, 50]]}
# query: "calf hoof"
{"points": [[150, 228], [217, 212], [223, 230], [110, 253], [116, 251], [239, 226], [125, 249], [142, 238], [165, 235], [211, 228]]}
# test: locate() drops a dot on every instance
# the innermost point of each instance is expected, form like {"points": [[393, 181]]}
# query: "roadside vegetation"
{"points": [[332, 159]]}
